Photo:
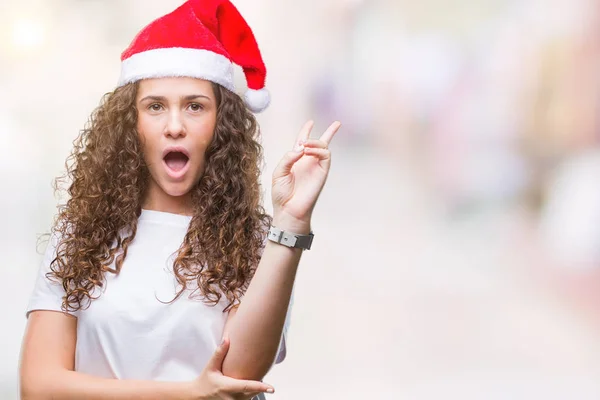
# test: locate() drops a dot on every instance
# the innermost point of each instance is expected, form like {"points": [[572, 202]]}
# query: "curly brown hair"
{"points": [[109, 177]]}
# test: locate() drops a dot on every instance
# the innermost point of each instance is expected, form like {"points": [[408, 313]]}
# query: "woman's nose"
{"points": [[175, 125]]}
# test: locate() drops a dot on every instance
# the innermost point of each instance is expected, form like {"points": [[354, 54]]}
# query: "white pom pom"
{"points": [[257, 100]]}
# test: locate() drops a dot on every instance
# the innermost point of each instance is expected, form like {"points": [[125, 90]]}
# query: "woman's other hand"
{"points": [[213, 385]]}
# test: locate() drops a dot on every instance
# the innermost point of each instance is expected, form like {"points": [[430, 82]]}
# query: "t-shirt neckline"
{"points": [[164, 217]]}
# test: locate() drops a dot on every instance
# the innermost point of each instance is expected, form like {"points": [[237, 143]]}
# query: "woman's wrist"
{"points": [[291, 224], [192, 391]]}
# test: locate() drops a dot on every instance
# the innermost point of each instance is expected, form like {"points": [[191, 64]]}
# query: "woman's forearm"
{"points": [[255, 329], [71, 385]]}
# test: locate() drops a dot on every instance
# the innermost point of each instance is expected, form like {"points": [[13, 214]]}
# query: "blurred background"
{"points": [[457, 248]]}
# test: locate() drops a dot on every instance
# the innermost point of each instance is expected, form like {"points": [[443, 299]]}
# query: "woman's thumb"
{"points": [[216, 361]]}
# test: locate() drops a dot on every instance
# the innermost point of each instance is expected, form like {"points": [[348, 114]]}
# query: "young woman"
{"points": [[164, 277]]}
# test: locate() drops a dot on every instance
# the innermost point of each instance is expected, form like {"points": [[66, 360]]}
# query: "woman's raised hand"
{"points": [[300, 176]]}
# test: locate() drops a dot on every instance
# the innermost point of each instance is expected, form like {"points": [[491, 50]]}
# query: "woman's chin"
{"points": [[176, 189]]}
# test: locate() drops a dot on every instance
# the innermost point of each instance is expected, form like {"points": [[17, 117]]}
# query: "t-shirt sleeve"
{"points": [[47, 294]]}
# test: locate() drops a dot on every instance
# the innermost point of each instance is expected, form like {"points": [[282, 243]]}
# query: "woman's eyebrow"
{"points": [[162, 98]]}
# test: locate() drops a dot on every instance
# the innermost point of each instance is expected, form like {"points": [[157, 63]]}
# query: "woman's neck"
{"points": [[157, 200]]}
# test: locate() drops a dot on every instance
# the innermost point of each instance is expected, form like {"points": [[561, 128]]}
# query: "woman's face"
{"points": [[176, 122]]}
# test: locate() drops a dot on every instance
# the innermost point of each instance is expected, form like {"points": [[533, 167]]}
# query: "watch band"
{"points": [[290, 239]]}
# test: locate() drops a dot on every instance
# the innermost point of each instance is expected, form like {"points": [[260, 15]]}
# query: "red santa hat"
{"points": [[200, 39]]}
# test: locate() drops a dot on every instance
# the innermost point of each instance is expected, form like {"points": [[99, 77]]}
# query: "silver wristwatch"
{"points": [[290, 239]]}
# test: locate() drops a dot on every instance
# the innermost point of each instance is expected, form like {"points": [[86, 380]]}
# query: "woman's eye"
{"points": [[196, 107], [155, 107]]}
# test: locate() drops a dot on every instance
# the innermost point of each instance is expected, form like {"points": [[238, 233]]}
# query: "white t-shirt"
{"points": [[127, 333]]}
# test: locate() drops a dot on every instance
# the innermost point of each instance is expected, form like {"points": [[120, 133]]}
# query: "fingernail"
{"points": [[299, 148], [270, 390]]}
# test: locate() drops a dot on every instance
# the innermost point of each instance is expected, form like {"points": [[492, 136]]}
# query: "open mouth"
{"points": [[176, 160]]}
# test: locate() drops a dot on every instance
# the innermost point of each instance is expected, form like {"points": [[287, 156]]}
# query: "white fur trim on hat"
{"points": [[194, 63], [257, 100]]}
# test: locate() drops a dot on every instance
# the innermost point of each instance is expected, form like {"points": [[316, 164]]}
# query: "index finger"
{"points": [[328, 135], [304, 133]]}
